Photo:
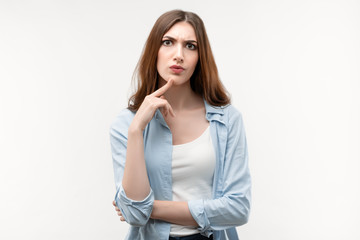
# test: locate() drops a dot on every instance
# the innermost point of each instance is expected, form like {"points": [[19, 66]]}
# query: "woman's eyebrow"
{"points": [[173, 39], [191, 41]]}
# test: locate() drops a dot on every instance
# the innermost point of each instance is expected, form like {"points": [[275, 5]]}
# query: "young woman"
{"points": [[179, 149]]}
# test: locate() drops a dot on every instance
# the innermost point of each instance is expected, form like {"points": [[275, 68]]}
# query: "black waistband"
{"points": [[192, 237]]}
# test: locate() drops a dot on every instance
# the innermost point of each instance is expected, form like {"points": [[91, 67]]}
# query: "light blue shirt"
{"points": [[231, 192]]}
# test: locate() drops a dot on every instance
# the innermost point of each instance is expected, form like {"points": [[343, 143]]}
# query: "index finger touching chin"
{"points": [[163, 89], [169, 82]]}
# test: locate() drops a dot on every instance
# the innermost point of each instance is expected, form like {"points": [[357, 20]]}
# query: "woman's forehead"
{"points": [[181, 30]]}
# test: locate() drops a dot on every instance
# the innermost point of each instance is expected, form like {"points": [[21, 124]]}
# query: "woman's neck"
{"points": [[182, 97]]}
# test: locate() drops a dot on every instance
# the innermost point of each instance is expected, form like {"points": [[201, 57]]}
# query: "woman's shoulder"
{"points": [[232, 113], [231, 109], [122, 120], [228, 110]]}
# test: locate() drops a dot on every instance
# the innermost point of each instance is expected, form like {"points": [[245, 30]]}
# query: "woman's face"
{"points": [[178, 53]]}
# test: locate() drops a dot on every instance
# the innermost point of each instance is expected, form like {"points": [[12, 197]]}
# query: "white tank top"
{"points": [[193, 166]]}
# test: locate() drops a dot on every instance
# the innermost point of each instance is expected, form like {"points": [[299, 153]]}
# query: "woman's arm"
{"points": [[173, 212], [136, 213], [169, 211], [135, 180], [134, 197]]}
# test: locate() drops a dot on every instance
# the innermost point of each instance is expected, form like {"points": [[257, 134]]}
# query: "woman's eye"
{"points": [[190, 46], [166, 42]]}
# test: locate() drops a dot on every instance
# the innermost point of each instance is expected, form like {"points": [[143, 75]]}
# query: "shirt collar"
{"points": [[212, 109], [159, 117], [214, 113]]}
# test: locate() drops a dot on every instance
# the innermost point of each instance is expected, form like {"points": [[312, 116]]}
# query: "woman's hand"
{"points": [[118, 212], [148, 107]]}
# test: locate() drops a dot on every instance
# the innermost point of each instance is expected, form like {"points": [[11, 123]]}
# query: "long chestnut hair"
{"points": [[205, 80]]}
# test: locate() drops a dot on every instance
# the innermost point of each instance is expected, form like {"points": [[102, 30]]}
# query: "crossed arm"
{"points": [[169, 211]]}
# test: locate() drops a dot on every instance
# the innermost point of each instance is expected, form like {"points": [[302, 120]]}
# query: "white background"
{"points": [[292, 68]]}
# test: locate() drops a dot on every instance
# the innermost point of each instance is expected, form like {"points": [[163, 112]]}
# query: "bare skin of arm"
{"points": [[169, 211], [173, 212]]}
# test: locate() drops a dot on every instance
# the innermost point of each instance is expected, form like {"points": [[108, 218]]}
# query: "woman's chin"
{"points": [[177, 79]]}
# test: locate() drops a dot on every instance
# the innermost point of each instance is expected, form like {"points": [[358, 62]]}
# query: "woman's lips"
{"points": [[176, 69]]}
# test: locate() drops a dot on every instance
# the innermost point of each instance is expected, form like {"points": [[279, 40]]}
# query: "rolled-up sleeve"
{"points": [[232, 208], [136, 213]]}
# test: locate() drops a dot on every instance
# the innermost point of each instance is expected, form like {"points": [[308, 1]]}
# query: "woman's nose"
{"points": [[179, 54]]}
